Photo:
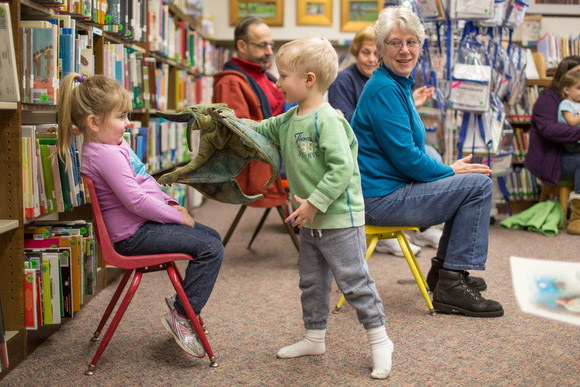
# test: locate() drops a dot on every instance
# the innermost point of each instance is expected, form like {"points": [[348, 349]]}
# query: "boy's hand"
{"points": [[304, 214]]}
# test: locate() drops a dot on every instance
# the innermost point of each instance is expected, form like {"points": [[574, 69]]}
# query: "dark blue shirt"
{"points": [[343, 94]]}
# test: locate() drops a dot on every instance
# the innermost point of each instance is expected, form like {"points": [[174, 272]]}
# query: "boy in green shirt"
{"points": [[319, 150]]}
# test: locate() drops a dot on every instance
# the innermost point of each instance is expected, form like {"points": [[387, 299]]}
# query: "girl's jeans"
{"points": [[201, 242]]}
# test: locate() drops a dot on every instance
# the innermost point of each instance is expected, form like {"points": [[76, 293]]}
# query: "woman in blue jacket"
{"points": [[403, 186]]}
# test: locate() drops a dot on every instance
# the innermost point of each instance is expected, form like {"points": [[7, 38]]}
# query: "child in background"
{"points": [[320, 152], [141, 219], [569, 108]]}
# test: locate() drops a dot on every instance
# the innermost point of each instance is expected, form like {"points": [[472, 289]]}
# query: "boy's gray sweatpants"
{"points": [[342, 253]]}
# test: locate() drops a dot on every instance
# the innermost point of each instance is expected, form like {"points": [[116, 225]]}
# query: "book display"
{"points": [[50, 266]]}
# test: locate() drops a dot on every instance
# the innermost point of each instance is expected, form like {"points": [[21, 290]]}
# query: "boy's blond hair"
{"points": [[313, 54]]}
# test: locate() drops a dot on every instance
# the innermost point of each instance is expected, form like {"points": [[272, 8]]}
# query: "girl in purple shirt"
{"points": [[141, 219]]}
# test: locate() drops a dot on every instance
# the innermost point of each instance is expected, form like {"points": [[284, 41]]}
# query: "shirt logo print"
{"points": [[307, 146]]}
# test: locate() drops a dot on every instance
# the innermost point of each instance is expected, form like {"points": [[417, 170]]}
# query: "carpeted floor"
{"points": [[255, 310]]}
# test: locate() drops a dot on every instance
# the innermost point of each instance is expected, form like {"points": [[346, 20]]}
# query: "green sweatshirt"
{"points": [[320, 153]]}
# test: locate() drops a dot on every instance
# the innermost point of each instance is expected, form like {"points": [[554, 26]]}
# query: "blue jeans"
{"points": [[462, 202], [571, 169], [201, 242]]}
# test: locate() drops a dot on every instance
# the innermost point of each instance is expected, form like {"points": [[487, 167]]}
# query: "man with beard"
{"points": [[250, 90]]}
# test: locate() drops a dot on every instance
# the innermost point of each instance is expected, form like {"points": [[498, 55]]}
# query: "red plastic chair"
{"points": [[138, 264]]}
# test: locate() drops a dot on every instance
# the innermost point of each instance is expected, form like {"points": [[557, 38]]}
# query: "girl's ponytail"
{"points": [[66, 96]]}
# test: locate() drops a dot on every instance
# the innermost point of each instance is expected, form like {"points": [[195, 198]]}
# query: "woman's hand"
{"points": [[304, 214], [463, 166], [422, 95]]}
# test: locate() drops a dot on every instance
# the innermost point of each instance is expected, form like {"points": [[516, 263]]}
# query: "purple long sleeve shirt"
{"points": [[127, 200], [547, 138]]}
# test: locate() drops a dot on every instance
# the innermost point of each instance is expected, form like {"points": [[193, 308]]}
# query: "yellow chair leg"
{"points": [[372, 241], [415, 269]]}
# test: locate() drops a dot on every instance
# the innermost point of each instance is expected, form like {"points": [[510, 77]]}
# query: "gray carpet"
{"points": [[255, 310]]}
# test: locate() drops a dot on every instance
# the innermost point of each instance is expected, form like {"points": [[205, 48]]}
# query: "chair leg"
{"points": [[234, 224], [191, 314], [180, 278], [372, 241], [112, 304], [563, 195], [259, 226], [289, 229], [415, 269], [116, 320]]}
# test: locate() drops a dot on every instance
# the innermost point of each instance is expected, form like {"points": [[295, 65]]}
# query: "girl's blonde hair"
{"points": [[313, 54], [569, 79], [96, 95]]}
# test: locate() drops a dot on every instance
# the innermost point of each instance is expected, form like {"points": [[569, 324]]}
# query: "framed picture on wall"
{"points": [[272, 11], [314, 12], [554, 7], [357, 14]]}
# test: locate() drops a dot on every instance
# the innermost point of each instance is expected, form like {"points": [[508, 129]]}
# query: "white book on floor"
{"points": [[547, 288]]}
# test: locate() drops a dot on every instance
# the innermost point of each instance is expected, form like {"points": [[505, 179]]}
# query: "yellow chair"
{"points": [[374, 233]]}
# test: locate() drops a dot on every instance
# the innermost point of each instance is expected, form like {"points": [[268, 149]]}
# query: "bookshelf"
{"points": [[20, 341], [521, 124]]}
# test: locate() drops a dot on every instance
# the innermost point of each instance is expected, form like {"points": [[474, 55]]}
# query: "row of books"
{"points": [[60, 270], [521, 141], [161, 145], [49, 184], [178, 40], [521, 112], [555, 47], [126, 18], [192, 8], [52, 48], [522, 185], [89, 10]]}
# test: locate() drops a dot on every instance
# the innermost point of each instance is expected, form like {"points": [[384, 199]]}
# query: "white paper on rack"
{"points": [[549, 289]]}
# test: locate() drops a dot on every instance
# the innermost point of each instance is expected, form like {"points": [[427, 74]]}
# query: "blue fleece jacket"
{"points": [[391, 136]]}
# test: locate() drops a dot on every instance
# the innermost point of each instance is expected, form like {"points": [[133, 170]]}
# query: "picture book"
{"points": [[548, 289], [9, 88], [44, 61]]}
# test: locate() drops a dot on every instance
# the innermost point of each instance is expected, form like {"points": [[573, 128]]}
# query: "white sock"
{"points": [[381, 352], [313, 344]]}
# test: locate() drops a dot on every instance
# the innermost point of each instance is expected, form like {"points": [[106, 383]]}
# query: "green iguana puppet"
{"points": [[227, 144]]}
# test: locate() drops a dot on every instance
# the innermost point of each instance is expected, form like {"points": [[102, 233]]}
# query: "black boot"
{"points": [[476, 283], [453, 295]]}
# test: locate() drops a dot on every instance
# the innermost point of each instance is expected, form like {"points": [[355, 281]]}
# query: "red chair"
{"points": [[138, 264]]}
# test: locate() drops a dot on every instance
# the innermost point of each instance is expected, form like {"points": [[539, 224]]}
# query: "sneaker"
{"points": [[184, 335], [391, 246], [429, 237], [170, 301]]}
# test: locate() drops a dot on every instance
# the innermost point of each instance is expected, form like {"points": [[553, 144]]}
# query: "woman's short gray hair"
{"points": [[393, 17]]}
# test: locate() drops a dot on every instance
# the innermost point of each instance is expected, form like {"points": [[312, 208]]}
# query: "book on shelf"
{"points": [[9, 87], [45, 83], [33, 261], [3, 347], [30, 299]]}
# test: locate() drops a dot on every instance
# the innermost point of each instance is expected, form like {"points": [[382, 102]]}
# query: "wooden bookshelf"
{"points": [[21, 342]]}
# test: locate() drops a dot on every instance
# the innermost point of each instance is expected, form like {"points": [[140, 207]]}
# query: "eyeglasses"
{"points": [[263, 45], [397, 44]]}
